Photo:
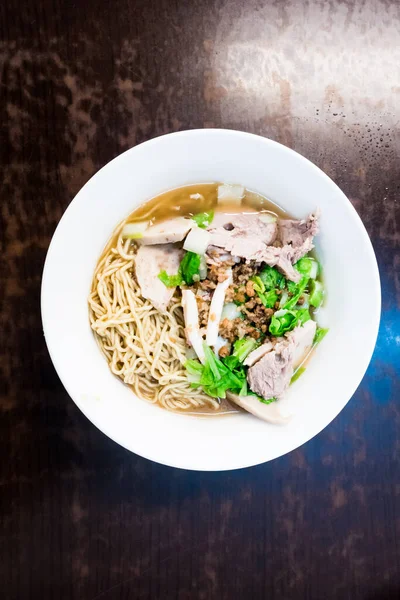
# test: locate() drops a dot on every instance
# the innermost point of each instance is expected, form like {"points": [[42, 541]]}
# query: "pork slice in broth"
{"points": [[149, 262], [270, 376], [247, 237], [167, 232]]}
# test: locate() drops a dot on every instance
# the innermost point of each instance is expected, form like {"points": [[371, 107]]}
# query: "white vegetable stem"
{"points": [[284, 299], [230, 194], [197, 241], [314, 269], [217, 305], [191, 315], [134, 231], [203, 268], [231, 311], [220, 343]]}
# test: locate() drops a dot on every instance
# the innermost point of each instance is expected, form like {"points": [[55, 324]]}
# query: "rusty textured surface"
{"points": [[80, 517]]}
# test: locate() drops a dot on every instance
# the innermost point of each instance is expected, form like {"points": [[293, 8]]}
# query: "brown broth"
{"points": [[177, 202]]}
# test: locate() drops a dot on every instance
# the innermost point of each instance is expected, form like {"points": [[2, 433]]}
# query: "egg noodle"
{"points": [[144, 347]]}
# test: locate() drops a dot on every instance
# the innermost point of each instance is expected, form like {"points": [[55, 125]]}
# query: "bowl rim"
{"points": [[373, 325]]}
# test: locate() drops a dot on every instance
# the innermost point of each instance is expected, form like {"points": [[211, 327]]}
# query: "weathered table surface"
{"points": [[81, 518]]}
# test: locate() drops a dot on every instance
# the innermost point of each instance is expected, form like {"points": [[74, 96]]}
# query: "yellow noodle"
{"points": [[142, 346]]}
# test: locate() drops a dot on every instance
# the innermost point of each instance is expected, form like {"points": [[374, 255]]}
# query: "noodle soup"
{"points": [[196, 282]]}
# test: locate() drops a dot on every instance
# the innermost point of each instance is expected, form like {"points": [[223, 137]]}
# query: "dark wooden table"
{"points": [[83, 519]]}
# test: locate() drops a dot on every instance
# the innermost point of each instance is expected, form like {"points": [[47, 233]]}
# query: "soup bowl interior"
{"points": [[350, 274]]}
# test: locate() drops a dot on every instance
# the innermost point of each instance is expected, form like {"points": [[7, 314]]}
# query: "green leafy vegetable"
{"points": [[283, 323], [297, 374], [214, 376], [304, 266], [297, 291], [292, 287], [170, 280], [267, 298], [316, 293], [286, 320], [204, 219], [272, 279], [189, 267], [194, 369], [308, 268], [241, 349], [193, 366], [213, 362], [258, 284], [267, 400], [188, 271], [303, 315], [319, 335], [244, 389]]}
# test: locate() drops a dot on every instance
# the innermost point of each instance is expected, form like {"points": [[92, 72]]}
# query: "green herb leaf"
{"points": [[297, 374], [267, 400], [214, 376], [286, 320], [319, 335], [316, 293], [204, 219], [189, 267], [292, 287], [188, 271], [241, 349], [231, 361], [258, 284], [272, 279], [304, 266], [303, 315], [212, 362], [297, 292], [269, 298], [193, 366], [195, 370], [283, 323], [244, 388], [170, 280]]}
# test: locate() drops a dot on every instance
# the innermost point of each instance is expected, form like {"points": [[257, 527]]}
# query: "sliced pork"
{"points": [[249, 235], [282, 259], [296, 233], [253, 237], [270, 375], [149, 261], [167, 232]]}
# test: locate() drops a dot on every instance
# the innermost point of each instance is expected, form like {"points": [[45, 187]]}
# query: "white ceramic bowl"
{"points": [[351, 312]]}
